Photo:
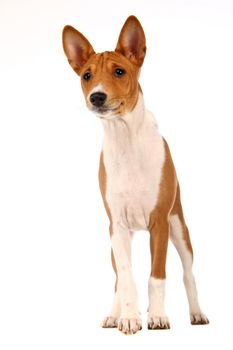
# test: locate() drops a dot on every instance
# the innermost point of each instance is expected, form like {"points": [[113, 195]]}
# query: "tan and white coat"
{"points": [[137, 177]]}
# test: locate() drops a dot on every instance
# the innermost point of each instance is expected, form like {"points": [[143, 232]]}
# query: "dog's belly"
{"points": [[132, 182]]}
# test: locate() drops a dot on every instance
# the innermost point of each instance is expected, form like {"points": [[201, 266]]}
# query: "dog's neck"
{"points": [[131, 123], [131, 134]]}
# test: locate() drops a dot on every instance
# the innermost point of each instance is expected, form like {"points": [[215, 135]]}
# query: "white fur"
{"points": [[156, 297], [97, 88], [121, 245], [134, 155], [156, 316], [112, 320], [116, 308], [176, 234]]}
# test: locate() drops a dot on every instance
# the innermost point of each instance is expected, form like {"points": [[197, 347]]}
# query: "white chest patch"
{"points": [[134, 156]]}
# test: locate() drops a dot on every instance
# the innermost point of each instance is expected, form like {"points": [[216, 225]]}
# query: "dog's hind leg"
{"points": [[179, 235]]}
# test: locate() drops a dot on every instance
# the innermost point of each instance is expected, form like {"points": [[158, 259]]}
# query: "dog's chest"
{"points": [[133, 164]]}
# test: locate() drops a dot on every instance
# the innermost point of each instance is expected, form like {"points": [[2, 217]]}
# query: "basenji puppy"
{"points": [[137, 177]]}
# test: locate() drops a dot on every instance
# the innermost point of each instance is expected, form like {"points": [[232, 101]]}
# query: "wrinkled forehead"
{"points": [[108, 60]]}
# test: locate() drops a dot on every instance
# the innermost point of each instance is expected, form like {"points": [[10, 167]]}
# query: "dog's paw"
{"points": [[109, 322], [156, 322], [198, 319], [130, 325]]}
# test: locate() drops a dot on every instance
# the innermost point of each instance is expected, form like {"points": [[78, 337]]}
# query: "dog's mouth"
{"points": [[107, 112]]}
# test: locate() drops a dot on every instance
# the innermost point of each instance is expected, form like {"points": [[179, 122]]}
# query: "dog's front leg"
{"points": [[159, 233], [130, 321]]}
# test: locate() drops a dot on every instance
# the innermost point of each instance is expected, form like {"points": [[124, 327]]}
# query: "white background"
{"points": [[56, 280]]}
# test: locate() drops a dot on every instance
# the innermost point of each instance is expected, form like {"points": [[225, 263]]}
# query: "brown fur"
{"points": [[177, 209], [128, 44], [159, 218], [169, 203], [123, 91], [102, 184]]}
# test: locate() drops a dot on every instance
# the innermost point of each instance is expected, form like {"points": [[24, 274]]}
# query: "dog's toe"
{"points": [[109, 322], [198, 319], [155, 322], [130, 325]]}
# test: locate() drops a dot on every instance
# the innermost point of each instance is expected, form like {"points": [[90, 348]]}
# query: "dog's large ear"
{"points": [[77, 48], [132, 42]]}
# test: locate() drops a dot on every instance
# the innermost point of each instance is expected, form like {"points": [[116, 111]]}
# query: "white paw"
{"points": [[110, 322], [129, 325], [198, 318], [156, 322]]}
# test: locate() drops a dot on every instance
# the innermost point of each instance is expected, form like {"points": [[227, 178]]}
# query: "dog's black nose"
{"points": [[98, 98]]}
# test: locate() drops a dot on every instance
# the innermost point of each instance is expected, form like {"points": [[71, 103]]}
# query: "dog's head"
{"points": [[109, 79]]}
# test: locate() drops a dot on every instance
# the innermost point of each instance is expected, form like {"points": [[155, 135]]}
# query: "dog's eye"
{"points": [[87, 76], [119, 72]]}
